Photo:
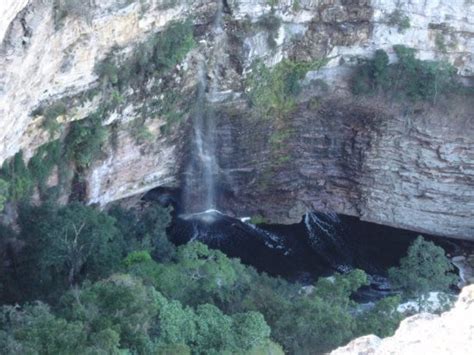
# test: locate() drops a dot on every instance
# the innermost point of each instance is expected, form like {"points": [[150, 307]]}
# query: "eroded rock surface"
{"points": [[451, 332], [410, 167]]}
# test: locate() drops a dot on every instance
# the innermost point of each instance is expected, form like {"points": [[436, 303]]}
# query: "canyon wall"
{"points": [[409, 165]]}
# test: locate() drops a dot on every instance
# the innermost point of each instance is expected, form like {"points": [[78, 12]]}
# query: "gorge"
{"points": [[396, 163]]}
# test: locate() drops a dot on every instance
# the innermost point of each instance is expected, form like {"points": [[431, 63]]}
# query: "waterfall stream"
{"points": [[199, 193]]}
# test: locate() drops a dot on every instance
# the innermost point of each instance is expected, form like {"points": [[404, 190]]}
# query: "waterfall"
{"points": [[200, 186], [327, 241]]}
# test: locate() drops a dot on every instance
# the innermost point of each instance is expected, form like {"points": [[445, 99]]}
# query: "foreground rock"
{"points": [[449, 333]]}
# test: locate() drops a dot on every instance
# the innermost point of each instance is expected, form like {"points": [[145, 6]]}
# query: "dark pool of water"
{"points": [[319, 245]]}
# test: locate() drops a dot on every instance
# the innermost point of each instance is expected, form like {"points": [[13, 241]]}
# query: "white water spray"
{"points": [[200, 184]]}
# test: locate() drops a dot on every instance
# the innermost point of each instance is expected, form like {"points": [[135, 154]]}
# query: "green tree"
{"points": [[119, 305], [425, 268], [15, 172], [250, 330], [199, 275], [321, 320], [63, 245], [381, 320], [83, 143], [33, 329], [146, 230]]}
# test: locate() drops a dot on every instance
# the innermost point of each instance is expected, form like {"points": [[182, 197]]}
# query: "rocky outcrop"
{"points": [[366, 158], [409, 166], [448, 333]]}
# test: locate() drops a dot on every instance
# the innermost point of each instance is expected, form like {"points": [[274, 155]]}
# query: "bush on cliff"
{"points": [[409, 78]]}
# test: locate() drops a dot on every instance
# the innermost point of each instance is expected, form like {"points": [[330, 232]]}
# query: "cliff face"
{"points": [[384, 160], [448, 333]]}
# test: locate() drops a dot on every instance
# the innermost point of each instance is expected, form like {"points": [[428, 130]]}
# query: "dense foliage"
{"points": [[113, 281], [159, 54], [409, 77], [272, 91], [425, 268]]}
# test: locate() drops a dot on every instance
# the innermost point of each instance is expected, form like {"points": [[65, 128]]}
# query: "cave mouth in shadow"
{"points": [[319, 245]]}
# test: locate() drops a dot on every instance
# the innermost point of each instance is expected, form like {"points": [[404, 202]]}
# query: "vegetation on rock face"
{"points": [[272, 91], [73, 8], [43, 162], [16, 174], [400, 20], [271, 24], [409, 78], [51, 114], [161, 53], [4, 187], [84, 140]]}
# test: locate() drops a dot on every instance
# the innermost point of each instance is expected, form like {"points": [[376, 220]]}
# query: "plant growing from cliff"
{"points": [[400, 20], [296, 6], [84, 140], [272, 91], [4, 186], [440, 42], [271, 24], [425, 268], [422, 79], [372, 75], [140, 131], [19, 178], [42, 163], [73, 8], [155, 57], [409, 78], [51, 114]]}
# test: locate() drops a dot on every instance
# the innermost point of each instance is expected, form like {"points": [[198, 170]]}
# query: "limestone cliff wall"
{"points": [[367, 157], [449, 333]]}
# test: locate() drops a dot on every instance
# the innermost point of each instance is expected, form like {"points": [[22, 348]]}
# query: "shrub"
{"points": [[421, 79], [371, 75], [76, 8], [18, 177], [156, 56], [4, 186], [272, 91], [51, 114], [440, 43], [424, 269], [42, 163], [410, 77], [84, 141], [400, 20], [137, 257], [271, 24]]}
